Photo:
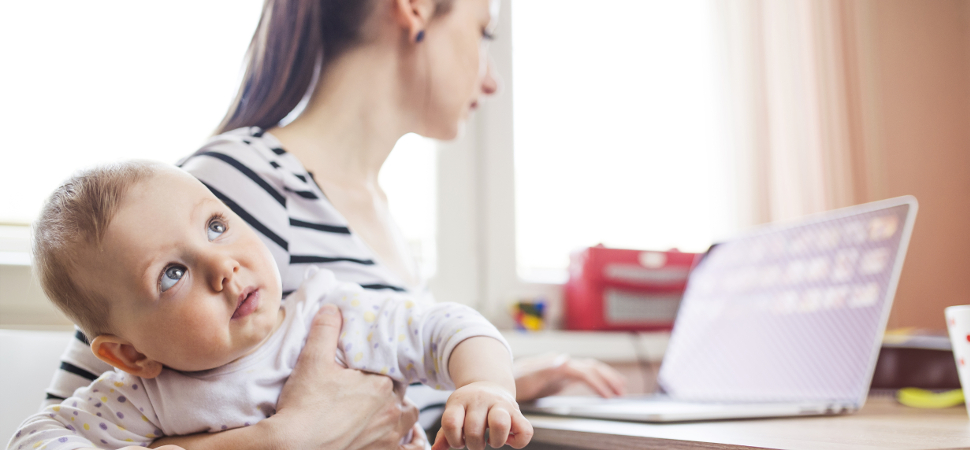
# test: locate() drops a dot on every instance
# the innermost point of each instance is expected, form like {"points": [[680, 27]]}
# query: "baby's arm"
{"points": [[112, 412], [389, 333]]}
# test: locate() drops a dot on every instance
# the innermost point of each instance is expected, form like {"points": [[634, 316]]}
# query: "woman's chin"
{"points": [[446, 132]]}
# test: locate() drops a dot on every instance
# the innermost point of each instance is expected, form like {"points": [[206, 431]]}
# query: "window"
{"points": [[617, 129], [616, 137]]}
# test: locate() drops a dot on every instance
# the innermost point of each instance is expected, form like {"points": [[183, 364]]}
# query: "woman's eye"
{"points": [[170, 277], [215, 229]]}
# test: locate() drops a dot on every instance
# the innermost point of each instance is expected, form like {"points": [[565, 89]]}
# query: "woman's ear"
{"points": [[414, 16], [121, 354]]}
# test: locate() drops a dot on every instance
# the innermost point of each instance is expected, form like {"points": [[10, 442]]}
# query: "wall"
{"points": [[23, 304], [922, 89]]}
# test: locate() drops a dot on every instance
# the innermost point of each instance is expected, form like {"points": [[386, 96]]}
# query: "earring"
{"points": [[419, 37]]}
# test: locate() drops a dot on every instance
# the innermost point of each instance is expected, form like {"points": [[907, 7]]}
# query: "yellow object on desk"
{"points": [[921, 398]]}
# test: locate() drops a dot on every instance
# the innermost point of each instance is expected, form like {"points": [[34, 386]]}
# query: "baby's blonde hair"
{"points": [[76, 215]]}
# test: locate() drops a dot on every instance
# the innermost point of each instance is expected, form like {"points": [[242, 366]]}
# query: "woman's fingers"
{"points": [[616, 380], [499, 426], [361, 410], [323, 338], [452, 422], [589, 375]]}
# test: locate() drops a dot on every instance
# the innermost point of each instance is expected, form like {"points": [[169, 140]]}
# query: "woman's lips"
{"points": [[247, 303]]}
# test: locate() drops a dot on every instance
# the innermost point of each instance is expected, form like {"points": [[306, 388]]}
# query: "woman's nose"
{"points": [[490, 80]]}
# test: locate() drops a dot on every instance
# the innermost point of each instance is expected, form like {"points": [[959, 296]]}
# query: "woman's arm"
{"points": [[322, 406]]}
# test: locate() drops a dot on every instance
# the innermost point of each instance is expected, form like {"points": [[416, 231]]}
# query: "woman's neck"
{"points": [[353, 119]]}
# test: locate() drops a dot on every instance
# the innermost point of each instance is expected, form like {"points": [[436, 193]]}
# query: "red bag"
{"points": [[625, 290]]}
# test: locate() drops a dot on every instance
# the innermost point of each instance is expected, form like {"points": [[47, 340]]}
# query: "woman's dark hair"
{"points": [[292, 36]]}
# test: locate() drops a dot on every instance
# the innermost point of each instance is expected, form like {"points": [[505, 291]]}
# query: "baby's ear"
{"points": [[121, 354]]}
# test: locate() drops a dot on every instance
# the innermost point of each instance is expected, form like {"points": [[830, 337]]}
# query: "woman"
{"points": [[383, 68]]}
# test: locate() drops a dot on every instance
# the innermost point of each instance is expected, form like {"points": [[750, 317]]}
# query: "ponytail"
{"points": [[292, 37]]}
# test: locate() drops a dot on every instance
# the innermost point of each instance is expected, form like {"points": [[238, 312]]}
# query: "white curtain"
{"points": [[799, 97]]}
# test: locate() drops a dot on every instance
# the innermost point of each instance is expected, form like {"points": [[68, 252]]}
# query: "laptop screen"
{"points": [[790, 313]]}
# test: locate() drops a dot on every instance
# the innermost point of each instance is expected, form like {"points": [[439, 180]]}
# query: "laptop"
{"points": [[786, 320]]}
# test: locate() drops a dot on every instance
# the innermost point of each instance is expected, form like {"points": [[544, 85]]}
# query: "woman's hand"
{"points": [[544, 375], [324, 405]]}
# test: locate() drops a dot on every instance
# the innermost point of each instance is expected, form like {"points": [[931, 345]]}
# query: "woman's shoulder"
{"points": [[243, 148], [250, 156]]}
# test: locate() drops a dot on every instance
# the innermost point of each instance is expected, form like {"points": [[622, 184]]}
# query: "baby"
{"points": [[184, 299]]}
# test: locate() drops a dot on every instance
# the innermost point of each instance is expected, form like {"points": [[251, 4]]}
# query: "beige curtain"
{"points": [[798, 100]]}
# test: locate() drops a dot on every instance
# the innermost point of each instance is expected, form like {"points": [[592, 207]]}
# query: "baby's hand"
{"points": [[477, 406]]}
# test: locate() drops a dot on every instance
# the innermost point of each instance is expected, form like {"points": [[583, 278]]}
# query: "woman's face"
{"points": [[459, 69]]}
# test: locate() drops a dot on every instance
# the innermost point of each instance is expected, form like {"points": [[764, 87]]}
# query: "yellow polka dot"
{"points": [[87, 427], [437, 386], [384, 371], [343, 335], [110, 391], [355, 302], [359, 356], [370, 337], [104, 399], [409, 367], [410, 319], [400, 338], [129, 440], [57, 409], [119, 384], [38, 444], [121, 428], [409, 304], [368, 316], [144, 418], [72, 419], [150, 436]]}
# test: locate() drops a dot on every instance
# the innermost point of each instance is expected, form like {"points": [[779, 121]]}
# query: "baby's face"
{"points": [[190, 285]]}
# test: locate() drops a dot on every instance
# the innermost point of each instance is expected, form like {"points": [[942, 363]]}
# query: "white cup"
{"points": [[958, 322]]}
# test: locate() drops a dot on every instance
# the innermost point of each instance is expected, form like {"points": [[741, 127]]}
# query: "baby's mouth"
{"points": [[247, 303]]}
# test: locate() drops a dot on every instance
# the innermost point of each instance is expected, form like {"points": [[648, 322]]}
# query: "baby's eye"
{"points": [[215, 229], [170, 277]]}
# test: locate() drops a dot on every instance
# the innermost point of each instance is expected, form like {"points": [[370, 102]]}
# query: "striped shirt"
{"points": [[270, 190]]}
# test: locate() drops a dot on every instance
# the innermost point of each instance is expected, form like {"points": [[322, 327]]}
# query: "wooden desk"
{"points": [[881, 424]]}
